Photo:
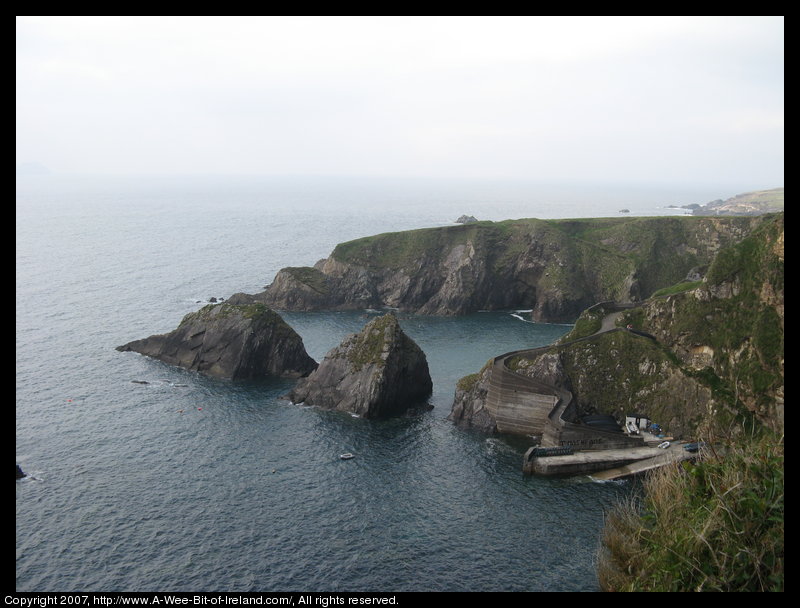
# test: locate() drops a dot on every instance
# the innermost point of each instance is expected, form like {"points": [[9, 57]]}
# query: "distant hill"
{"points": [[749, 203]]}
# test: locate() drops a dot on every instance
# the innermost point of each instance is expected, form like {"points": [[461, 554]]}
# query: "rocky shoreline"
{"points": [[234, 340], [556, 269], [714, 350]]}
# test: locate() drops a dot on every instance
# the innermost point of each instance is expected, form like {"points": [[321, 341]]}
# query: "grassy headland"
{"points": [[717, 525]]}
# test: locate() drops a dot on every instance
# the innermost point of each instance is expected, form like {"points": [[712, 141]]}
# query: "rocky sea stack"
{"points": [[237, 340], [376, 373]]}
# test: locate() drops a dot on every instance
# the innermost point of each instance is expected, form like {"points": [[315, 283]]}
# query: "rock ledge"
{"points": [[237, 339]]}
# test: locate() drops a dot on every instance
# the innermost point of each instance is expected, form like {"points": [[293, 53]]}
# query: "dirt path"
{"points": [[609, 322]]}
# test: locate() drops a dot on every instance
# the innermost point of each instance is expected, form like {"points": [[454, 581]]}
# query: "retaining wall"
{"points": [[526, 406]]}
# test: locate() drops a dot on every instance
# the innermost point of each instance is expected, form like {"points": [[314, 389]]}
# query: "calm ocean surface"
{"points": [[192, 484]]}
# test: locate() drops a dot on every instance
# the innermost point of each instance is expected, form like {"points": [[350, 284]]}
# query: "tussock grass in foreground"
{"points": [[717, 525]]}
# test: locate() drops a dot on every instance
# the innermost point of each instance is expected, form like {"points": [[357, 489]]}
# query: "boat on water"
{"points": [[346, 456]]}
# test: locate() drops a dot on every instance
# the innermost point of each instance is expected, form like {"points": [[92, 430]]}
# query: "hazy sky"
{"points": [[640, 98]]}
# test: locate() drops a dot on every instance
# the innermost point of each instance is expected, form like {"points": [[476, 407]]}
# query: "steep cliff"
{"points": [[375, 373], [620, 373], [469, 404], [238, 339], [554, 267], [614, 372], [730, 328], [700, 353]]}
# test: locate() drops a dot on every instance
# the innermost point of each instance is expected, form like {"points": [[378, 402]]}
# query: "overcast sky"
{"points": [[666, 99]]}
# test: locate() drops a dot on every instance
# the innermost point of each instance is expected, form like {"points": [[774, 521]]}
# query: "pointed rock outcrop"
{"points": [[238, 339], [376, 373]]}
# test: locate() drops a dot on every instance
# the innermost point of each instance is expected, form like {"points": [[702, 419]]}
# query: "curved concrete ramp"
{"points": [[526, 406], [518, 404]]}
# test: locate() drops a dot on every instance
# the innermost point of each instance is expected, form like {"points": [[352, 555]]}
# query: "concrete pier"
{"points": [[606, 465], [675, 453]]}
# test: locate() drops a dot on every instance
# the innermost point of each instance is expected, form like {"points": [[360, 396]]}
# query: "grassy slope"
{"points": [[751, 203], [717, 525], [765, 200], [748, 321]]}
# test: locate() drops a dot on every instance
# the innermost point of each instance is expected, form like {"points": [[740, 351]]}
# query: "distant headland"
{"points": [[748, 203]]}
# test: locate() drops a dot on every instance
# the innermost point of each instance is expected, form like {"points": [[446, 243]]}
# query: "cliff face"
{"points": [[730, 328], [375, 373], [620, 373], [616, 373], [469, 404], [238, 339], [718, 349], [556, 268]]}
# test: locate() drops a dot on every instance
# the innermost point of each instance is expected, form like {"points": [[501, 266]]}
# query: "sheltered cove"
{"points": [[515, 397]]}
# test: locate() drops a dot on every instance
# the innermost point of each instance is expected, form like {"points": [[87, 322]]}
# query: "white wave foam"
{"points": [[516, 316]]}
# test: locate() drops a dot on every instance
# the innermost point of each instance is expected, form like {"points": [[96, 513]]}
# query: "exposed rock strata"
{"points": [[730, 328], [237, 339], [718, 349], [556, 267], [375, 373], [619, 373], [469, 404]]}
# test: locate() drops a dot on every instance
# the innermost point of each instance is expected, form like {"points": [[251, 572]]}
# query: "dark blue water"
{"points": [[192, 484]]}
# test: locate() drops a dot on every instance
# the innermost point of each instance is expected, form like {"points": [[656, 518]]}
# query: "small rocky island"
{"points": [[239, 339], [376, 373]]}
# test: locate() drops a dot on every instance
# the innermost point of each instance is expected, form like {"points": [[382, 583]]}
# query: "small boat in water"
{"points": [[346, 456]]}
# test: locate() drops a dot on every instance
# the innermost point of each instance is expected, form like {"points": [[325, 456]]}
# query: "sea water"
{"points": [[145, 477]]}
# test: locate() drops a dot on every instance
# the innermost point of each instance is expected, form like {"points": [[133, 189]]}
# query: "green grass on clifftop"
{"points": [[717, 525], [596, 255]]}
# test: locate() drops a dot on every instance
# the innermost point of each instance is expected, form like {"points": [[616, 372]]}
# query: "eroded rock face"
{"points": [[235, 340], [469, 408], [732, 326], [556, 268], [693, 360], [611, 373], [376, 373]]}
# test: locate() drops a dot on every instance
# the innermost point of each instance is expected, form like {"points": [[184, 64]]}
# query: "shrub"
{"points": [[717, 525]]}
